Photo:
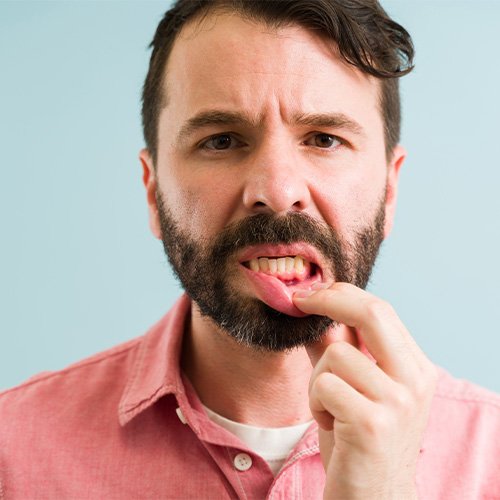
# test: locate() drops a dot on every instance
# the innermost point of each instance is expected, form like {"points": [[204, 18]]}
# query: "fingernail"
{"points": [[302, 294]]}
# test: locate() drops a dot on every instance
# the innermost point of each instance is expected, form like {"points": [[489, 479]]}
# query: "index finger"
{"points": [[380, 328]]}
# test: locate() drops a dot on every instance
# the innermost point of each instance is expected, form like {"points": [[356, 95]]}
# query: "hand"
{"points": [[371, 412]]}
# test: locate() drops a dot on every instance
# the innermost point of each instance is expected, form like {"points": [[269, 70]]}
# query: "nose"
{"points": [[275, 180]]}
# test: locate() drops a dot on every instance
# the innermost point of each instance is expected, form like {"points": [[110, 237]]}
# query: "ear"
{"points": [[149, 180], [397, 160]]}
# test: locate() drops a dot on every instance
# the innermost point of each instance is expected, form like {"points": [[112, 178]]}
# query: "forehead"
{"points": [[227, 60], [230, 32]]}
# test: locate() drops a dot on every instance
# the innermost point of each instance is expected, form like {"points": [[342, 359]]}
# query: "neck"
{"points": [[242, 384]]}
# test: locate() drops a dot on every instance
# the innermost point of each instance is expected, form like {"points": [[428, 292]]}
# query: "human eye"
{"points": [[221, 142], [324, 141]]}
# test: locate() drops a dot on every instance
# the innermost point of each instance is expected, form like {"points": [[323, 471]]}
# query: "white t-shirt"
{"points": [[273, 444]]}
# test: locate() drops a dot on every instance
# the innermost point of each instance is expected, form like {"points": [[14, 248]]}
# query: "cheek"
{"points": [[202, 206], [353, 201]]}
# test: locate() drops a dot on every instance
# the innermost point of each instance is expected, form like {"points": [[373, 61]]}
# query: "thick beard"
{"points": [[205, 272]]}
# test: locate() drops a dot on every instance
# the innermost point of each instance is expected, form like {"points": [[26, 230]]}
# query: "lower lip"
{"points": [[276, 294]]}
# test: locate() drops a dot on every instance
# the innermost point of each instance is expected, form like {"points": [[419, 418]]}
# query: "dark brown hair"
{"points": [[365, 35]]}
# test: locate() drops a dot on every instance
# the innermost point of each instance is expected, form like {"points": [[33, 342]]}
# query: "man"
{"points": [[271, 173]]}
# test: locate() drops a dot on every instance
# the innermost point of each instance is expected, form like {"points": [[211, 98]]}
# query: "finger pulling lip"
{"points": [[275, 287]]}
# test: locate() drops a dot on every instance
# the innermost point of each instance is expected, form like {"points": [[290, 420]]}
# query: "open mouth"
{"points": [[275, 272], [291, 270]]}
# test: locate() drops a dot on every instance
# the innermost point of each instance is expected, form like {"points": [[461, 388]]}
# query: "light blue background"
{"points": [[79, 270]]}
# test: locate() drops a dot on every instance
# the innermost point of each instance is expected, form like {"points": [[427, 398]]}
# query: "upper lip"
{"points": [[305, 250]]}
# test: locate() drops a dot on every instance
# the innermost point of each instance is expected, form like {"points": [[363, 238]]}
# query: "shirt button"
{"points": [[242, 461]]}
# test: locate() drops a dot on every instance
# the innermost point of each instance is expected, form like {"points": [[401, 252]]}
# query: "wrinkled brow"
{"points": [[215, 117], [329, 120], [218, 117]]}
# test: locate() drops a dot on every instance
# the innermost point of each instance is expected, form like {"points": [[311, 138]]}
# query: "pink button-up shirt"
{"points": [[109, 427]]}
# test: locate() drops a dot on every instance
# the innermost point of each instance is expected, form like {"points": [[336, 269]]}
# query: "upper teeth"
{"points": [[280, 265]]}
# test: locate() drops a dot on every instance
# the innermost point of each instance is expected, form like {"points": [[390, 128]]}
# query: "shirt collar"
{"points": [[155, 372], [155, 369]]}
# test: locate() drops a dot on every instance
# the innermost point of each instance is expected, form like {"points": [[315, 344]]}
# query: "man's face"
{"points": [[271, 175]]}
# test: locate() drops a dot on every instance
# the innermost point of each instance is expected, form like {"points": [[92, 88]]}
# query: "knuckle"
{"points": [[322, 382], [419, 388], [338, 348], [425, 385], [403, 401], [378, 309], [377, 424]]}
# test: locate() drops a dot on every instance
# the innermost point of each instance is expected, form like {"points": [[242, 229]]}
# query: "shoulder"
{"points": [[461, 406], [467, 416], [44, 420], [460, 453], [465, 394], [81, 381], [59, 429], [98, 382]]}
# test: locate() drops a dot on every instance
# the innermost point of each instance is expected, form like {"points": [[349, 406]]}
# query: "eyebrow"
{"points": [[330, 120], [220, 117], [215, 117]]}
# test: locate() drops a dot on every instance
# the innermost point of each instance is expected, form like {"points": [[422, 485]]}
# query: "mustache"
{"points": [[271, 229]]}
